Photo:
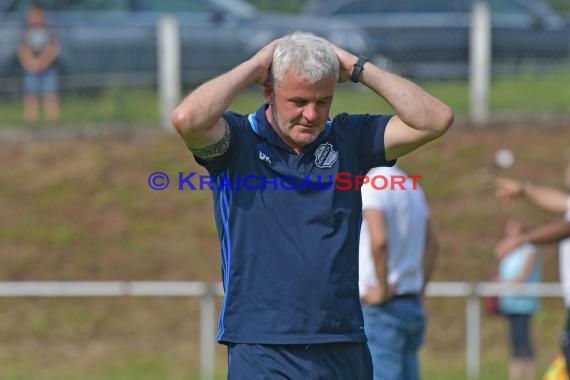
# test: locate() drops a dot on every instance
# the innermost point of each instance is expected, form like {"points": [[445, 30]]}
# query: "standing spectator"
{"points": [[553, 200], [521, 265], [289, 247], [398, 248], [38, 54]]}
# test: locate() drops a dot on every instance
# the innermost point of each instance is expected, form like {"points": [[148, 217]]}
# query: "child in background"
{"points": [[38, 54], [521, 265]]}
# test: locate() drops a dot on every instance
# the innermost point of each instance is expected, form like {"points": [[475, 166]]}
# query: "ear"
{"points": [[268, 92]]}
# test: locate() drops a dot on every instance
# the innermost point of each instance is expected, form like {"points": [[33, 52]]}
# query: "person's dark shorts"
{"points": [[45, 82], [521, 344], [331, 361]]}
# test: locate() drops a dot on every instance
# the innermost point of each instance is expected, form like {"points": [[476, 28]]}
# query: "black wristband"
{"points": [[358, 67]]}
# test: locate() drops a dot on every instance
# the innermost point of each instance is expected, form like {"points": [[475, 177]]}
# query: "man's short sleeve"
{"points": [[368, 131], [219, 163]]}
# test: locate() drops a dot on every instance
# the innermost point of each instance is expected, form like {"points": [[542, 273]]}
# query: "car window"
{"points": [[400, 6], [423, 6], [173, 6], [4, 4], [22, 5], [96, 5], [75, 5], [506, 6]]}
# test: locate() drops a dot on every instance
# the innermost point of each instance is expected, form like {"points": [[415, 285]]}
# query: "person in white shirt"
{"points": [[398, 247]]}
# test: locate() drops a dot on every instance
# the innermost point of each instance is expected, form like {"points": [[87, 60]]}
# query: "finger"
{"points": [[502, 249], [497, 253]]}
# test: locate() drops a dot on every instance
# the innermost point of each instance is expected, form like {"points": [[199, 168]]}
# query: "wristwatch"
{"points": [[358, 67]]}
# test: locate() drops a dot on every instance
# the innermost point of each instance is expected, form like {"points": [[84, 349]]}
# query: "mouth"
{"points": [[308, 126]]}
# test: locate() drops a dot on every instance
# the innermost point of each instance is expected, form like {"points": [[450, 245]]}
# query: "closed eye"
{"points": [[299, 102]]}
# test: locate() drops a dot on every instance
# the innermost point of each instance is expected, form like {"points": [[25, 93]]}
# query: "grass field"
{"points": [[79, 208]]}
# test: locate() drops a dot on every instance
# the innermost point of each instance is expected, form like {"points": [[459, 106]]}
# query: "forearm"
{"points": [[428, 265], [48, 56], [430, 254], [413, 105], [27, 59], [547, 198], [380, 256], [549, 233], [202, 108]]}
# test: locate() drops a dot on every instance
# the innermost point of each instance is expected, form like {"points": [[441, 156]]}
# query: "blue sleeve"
{"points": [[368, 131], [218, 164]]}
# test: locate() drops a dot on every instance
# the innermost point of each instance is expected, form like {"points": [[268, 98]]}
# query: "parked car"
{"points": [[114, 42], [430, 38]]}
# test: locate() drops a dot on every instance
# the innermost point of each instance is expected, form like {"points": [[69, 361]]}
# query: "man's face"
{"points": [[300, 109]]}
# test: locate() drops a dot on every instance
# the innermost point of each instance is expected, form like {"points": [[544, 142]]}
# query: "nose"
{"points": [[311, 112]]}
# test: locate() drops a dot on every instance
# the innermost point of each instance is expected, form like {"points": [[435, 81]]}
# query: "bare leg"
{"points": [[522, 369], [51, 104], [515, 369], [529, 369], [31, 109]]}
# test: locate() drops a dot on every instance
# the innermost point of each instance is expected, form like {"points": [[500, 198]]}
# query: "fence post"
{"points": [[168, 68], [480, 62], [207, 333], [473, 340]]}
